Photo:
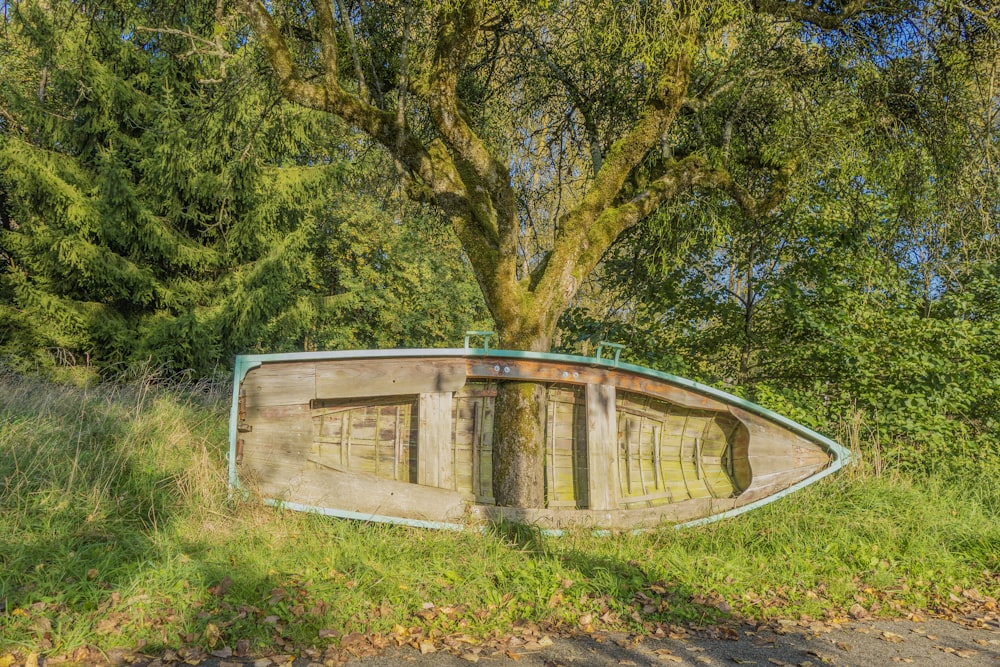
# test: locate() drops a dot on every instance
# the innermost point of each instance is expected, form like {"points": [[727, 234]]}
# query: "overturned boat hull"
{"points": [[406, 436]]}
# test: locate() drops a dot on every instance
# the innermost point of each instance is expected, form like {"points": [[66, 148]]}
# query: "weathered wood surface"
{"points": [[291, 383], [412, 438], [777, 457], [602, 427], [435, 458], [380, 377], [324, 487], [565, 372]]}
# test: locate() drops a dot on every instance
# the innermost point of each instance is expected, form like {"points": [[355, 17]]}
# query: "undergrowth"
{"points": [[117, 530]]}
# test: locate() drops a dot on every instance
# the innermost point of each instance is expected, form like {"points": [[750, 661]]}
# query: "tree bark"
{"points": [[519, 417], [518, 445]]}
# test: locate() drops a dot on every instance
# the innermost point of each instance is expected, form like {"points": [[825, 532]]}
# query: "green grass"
{"points": [[116, 530]]}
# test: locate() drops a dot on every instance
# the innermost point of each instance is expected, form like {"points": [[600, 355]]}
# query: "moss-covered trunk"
{"points": [[519, 454], [519, 435]]}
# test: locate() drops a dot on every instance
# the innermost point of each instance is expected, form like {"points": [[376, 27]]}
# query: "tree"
{"points": [[544, 131], [156, 211], [863, 297]]}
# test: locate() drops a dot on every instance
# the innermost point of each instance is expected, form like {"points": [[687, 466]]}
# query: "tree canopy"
{"points": [[545, 131], [798, 200]]}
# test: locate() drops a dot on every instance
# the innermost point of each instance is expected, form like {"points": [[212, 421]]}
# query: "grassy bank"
{"points": [[116, 531]]}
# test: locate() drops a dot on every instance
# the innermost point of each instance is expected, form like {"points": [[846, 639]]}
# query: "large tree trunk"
{"points": [[518, 445], [519, 424]]}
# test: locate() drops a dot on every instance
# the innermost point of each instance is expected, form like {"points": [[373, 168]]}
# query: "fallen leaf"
{"points": [[31, 660], [966, 653], [427, 647], [823, 657], [469, 657], [221, 588], [891, 637], [858, 612], [212, 635]]}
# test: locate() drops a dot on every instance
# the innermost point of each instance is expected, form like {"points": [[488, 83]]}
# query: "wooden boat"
{"points": [[406, 436]]}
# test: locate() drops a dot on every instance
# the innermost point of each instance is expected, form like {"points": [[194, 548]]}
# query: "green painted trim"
{"points": [[242, 366], [244, 363], [617, 347], [485, 335], [358, 516]]}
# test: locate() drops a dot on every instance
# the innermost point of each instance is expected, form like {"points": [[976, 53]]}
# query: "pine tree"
{"points": [[167, 207]]}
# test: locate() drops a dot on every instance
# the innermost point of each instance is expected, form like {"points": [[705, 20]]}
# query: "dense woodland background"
{"points": [[825, 243], [161, 204]]}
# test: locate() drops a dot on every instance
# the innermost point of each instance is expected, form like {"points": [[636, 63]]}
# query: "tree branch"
{"points": [[487, 179], [328, 43], [359, 74], [579, 100], [572, 261], [815, 13]]}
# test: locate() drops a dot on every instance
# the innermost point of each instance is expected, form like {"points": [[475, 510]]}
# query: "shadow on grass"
{"points": [[92, 481], [115, 531], [625, 581]]}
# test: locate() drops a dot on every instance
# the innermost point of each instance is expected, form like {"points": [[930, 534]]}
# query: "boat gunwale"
{"points": [[839, 455]]}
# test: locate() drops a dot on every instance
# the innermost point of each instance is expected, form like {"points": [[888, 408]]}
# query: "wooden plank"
{"points": [[367, 494], [570, 373], [358, 378], [602, 445], [764, 449], [280, 384], [622, 519], [435, 462]]}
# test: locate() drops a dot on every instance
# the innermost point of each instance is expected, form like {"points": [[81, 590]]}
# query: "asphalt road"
{"points": [[933, 642], [937, 643]]}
